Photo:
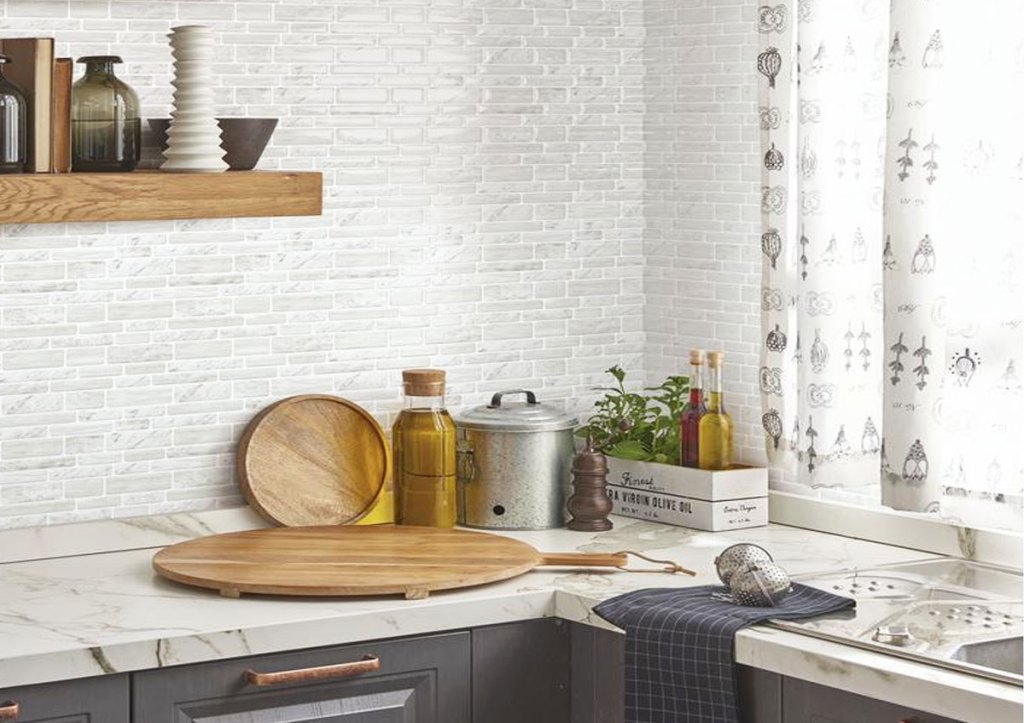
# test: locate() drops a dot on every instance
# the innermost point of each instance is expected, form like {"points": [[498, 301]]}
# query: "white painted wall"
{"points": [[485, 165]]}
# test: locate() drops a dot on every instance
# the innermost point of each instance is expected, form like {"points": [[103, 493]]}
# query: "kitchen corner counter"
{"points": [[96, 607]]}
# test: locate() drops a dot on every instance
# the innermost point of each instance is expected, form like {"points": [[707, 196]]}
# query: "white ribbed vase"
{"points": [[193, 138]]}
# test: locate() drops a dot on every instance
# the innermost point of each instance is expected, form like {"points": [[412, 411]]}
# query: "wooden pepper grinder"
{"points": [[589, 503]]}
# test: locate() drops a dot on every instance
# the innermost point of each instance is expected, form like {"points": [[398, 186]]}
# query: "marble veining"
{"points": [[83, 538], [107, 611]]}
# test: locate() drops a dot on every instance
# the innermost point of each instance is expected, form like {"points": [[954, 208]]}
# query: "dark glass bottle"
{"points": [[13, 124], [106, 131], [689, 420]]}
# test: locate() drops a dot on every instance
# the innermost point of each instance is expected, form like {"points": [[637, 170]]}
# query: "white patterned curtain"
{"points": [[893, 242]]}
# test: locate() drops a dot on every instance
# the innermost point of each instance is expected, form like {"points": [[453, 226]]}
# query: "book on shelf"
{"points": [[32, 70], [60, 117]]}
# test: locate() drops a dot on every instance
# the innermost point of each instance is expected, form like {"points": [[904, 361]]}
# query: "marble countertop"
{"points": [[83, 600]]}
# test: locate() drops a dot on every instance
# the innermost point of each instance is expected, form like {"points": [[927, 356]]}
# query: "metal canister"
{"points": [[514, 462]]}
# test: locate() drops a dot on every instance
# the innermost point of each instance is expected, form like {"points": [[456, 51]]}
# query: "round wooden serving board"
{"points": [[350, 560], [313, 459]]}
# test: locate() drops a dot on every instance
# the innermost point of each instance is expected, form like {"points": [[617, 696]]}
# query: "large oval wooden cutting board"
{"points": [[349, 560], [313, 459]]}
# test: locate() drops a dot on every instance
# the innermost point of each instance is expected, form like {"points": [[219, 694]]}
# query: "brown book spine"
{"points": [[60, 117]]}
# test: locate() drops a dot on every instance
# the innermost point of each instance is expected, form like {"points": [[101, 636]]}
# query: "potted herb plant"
{"points": [[636, 426]]}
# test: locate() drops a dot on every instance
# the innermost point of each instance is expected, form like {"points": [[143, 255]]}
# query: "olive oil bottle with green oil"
{"points": [[715, 430]]}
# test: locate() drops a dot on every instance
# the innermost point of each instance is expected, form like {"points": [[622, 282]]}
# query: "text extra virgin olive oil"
{"points": [[423, 442]]}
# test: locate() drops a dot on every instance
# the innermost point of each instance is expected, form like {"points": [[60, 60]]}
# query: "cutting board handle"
{"points": [[584, 559]]}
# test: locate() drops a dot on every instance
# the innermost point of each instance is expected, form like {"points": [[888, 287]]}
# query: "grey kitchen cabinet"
{"points": [[811, 703], [771, 698], [420, 680], [536, 671], [521, 672], [88, 700], [548, 671], [540, 671], [760, 695], [597, 675]]}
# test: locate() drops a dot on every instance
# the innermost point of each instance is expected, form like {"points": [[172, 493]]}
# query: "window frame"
{"points": [[916, 531]]}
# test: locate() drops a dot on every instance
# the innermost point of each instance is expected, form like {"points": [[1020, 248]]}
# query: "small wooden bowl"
{"points": [[243, 139]]}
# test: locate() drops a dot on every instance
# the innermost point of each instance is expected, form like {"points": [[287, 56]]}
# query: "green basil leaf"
{"points": [[629, 449]]}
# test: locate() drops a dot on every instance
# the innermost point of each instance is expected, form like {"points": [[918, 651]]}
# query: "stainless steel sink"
{"points": [[953, 613], [932, 579], [1006, 654]]}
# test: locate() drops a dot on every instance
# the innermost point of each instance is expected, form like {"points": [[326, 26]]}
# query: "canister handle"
{"points": [[465, 464], [531, 398]]}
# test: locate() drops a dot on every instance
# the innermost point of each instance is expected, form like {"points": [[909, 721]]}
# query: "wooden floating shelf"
{"points": [[152, 195]]}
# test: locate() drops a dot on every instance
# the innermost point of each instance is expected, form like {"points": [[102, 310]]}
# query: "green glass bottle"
{"points": [[106, 131]]}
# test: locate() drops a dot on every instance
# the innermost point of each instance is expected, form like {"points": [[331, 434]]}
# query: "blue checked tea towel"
{"points": [[679, 648]]}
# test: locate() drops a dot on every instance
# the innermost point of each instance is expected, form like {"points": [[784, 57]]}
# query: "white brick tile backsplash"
{"points": [[701, 198], [523, 193]]}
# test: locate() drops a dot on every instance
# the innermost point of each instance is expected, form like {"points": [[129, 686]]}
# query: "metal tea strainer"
{"points": [[759, 584], [736, 556]]}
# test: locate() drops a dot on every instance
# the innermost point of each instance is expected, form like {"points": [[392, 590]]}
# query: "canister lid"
{"points": [[525, 416]]}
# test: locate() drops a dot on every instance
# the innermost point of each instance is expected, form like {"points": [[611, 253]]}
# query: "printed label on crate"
{"points": [[687, 511], [731, 484]]}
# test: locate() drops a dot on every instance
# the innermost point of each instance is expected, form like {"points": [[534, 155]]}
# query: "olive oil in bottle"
{"points": [[715, 430], [423, 442]]}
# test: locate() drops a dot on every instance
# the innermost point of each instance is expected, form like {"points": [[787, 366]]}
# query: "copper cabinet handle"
{"points": [[368, 664], [8, 710]]}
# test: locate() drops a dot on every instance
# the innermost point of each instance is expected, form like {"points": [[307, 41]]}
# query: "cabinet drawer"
{"points": [[419, 680], [88, 700]]}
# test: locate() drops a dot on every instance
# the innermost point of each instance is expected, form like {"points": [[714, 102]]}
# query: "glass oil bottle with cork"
{"points": [[689, 419], [715, 429], [423, 443]]}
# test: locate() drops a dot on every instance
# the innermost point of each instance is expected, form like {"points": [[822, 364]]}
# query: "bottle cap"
{"points": [[423, 382], [696, 356], [715, 358]]}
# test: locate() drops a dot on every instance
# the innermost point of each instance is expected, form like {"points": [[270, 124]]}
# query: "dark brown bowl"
{"points": [[243, 139]]}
